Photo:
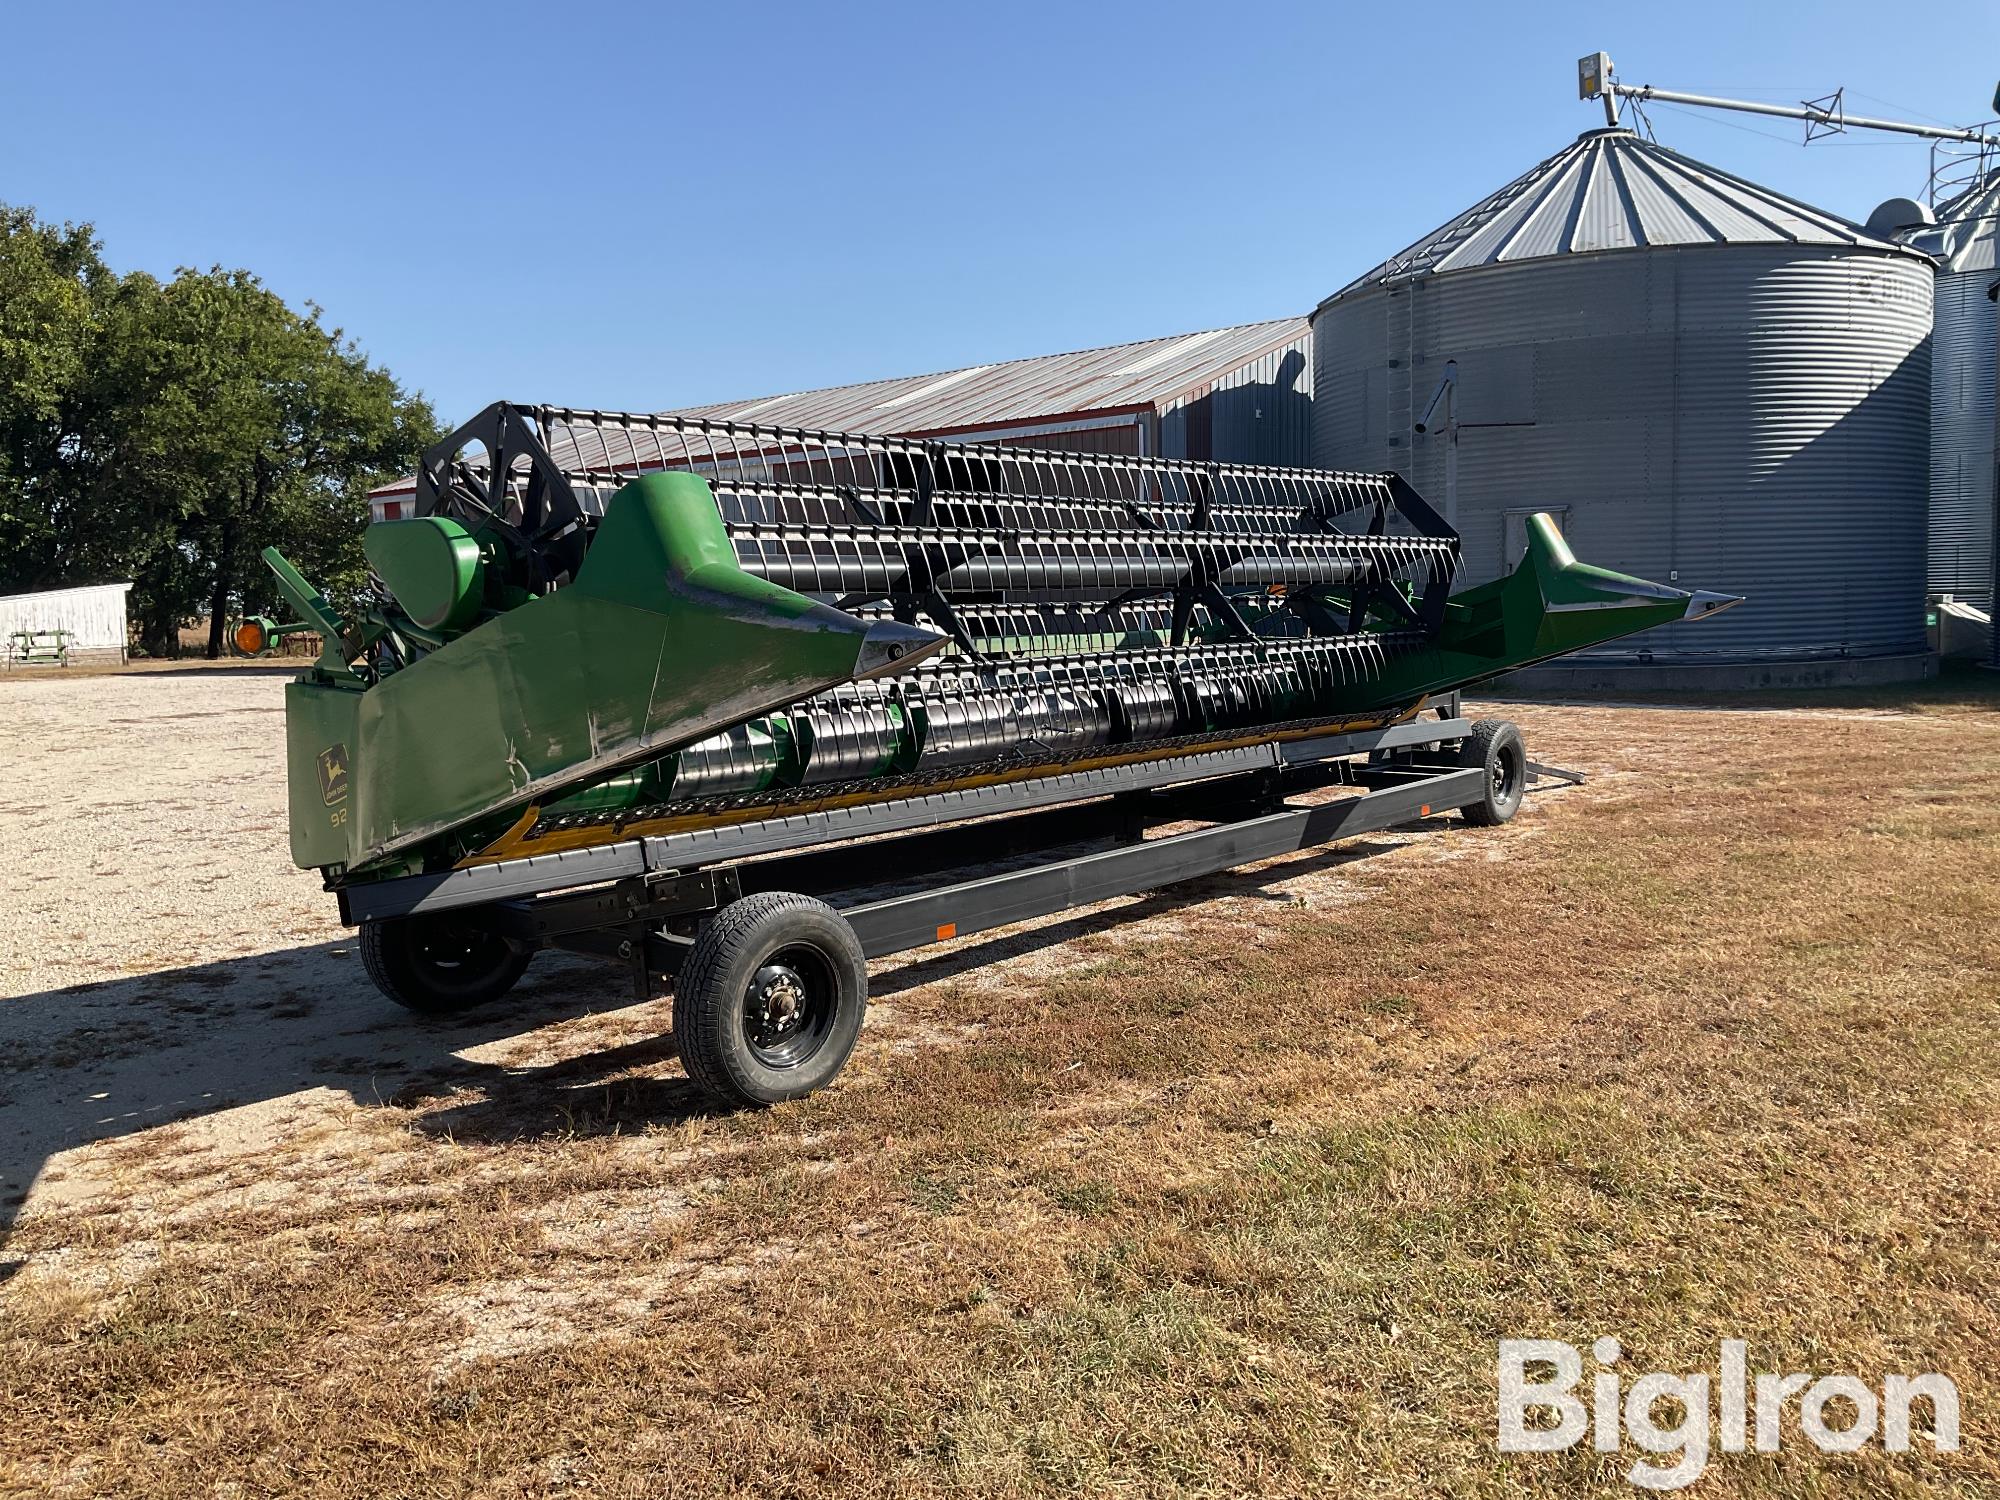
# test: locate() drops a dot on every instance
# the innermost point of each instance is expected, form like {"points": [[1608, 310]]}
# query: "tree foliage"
{"points": [[168, 431]]}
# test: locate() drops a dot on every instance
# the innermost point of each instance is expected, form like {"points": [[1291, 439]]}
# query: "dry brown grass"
{"points": [[1709, 1050], [1960, 687]]}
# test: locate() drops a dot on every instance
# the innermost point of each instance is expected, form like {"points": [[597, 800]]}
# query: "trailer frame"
{"points": [[642, 902]]}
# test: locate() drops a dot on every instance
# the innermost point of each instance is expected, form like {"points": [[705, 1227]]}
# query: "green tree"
{"points": [[347, 427], [169, 431], [157, 417], [50, 279]]}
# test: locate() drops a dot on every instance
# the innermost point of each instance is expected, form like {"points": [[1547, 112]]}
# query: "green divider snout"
{"points": [[1549, 605]]}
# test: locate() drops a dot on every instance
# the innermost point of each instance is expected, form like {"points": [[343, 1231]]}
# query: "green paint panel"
{"points": [[432, 566], [659, 641], [320, 740]]}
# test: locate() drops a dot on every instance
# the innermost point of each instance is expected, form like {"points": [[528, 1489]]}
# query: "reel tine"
{"points": [[1094, 598]]}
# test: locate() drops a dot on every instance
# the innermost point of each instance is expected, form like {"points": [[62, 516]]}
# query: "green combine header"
{"points": [[623, 677]]}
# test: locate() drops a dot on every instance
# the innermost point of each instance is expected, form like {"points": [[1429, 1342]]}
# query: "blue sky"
{"points": [[640, 206]]}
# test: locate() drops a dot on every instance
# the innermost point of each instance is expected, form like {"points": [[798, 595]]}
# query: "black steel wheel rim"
{"points": [[453, 957], [789, 1006], [1509, 771]]}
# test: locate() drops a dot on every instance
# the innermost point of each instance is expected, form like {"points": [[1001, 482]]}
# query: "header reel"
{"points": [[661, 593]]}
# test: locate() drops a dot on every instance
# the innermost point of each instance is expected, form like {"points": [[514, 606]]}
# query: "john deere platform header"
{"points": [[616, 630], [653, 621]]}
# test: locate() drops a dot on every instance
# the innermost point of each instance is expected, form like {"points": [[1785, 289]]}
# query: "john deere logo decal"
{"points": [[333, 774]]}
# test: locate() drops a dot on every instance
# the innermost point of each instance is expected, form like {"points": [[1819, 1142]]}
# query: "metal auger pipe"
{"points": [[1831, 117], [958, 715]]}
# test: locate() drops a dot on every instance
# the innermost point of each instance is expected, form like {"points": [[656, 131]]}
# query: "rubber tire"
{"points": [[1495, 743], [709, 1026], [389, 954]]}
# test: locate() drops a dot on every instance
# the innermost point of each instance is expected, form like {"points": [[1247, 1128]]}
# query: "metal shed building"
{"points": [[1708, 382], [1962, 390], [1242, 394], [92, 616]]}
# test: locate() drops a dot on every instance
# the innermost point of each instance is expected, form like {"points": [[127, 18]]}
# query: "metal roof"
{"points": [[1610, 190], [1123, 377], [1968, 224], [1148, 375]]}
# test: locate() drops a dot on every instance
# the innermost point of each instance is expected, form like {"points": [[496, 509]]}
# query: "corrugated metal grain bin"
{"points": [[1703, 379], [1962, 390]]}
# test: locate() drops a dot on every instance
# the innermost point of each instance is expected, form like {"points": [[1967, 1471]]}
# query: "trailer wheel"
{"points": [[1496, 746], [769, 1002], [439, 965]]}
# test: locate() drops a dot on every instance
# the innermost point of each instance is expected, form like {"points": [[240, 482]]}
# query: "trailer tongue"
{"points": [[621, 669]]}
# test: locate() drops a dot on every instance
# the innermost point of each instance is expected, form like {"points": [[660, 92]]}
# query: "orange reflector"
{"points": [[1424, 811], [947, 930], [250, 638]]}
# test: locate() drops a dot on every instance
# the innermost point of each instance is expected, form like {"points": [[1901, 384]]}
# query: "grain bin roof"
{"points": [[1610, 190], [1124, 377], [1964, 237]]}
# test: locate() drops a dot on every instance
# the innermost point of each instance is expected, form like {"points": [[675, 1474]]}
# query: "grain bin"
{"points": [[1962, 239], [1701, 377]]}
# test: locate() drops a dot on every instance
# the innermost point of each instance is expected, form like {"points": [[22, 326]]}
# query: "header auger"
{"points": [[617, 647]]}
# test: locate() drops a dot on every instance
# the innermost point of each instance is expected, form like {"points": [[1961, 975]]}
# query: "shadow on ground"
{"points": [[94, 1062], [99, 1061]]}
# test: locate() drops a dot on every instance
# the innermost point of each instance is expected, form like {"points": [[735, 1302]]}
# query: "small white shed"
{"points": [[93, 618]]}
